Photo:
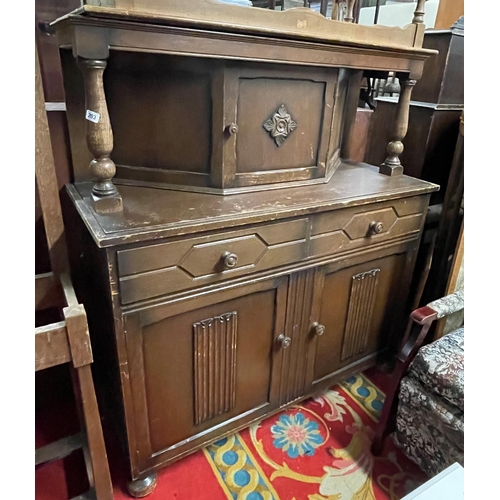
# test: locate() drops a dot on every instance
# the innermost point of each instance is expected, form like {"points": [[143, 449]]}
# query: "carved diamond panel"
{"points": [[359, 225], [207, 258]]}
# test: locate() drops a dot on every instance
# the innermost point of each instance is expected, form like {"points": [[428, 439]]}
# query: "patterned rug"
{"points": [[316, 450]]}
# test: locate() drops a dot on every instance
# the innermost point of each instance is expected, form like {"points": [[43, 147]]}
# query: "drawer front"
{"points": [[156, 270], [357, 227]]}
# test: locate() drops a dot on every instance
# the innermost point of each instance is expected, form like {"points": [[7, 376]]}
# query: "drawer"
{"points": [[155, 270], [352, 228]]}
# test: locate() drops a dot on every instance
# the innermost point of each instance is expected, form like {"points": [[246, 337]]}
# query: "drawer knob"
{"points": [[231, 129], [376, 227], [229, 260], [284, 341], [318, 329]]}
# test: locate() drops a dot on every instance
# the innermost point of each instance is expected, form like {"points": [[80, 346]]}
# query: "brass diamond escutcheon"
{"points": [[280, 125]]}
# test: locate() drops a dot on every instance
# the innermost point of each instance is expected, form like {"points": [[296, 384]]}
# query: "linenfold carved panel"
{"points": [[214, 366], [361, 304]]}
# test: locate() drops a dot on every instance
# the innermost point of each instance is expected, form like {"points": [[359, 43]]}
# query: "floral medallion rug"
{"points": [[316, 450]]}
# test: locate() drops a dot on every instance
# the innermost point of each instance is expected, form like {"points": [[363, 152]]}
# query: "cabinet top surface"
{"points": [[297, 23], [149, 214]]}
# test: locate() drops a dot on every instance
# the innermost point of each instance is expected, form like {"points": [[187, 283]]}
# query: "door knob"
{"points": [[229, 260], [318, 329], [284, 341], [231, 129], [376, 227]]}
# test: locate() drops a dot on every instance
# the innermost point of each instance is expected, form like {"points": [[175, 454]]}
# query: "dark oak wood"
{"points": [[253, 264], [442, 80]]}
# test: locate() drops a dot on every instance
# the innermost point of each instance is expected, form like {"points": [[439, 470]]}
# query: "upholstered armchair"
{"points": [[425, 404]]}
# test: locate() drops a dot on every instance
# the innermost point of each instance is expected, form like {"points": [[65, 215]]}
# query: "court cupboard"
{"points": [[232, 259]]}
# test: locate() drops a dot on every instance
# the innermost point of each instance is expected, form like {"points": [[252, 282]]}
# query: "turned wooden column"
{"points": [[418, 15], [99, 137], [392, 164], [349, 16]]}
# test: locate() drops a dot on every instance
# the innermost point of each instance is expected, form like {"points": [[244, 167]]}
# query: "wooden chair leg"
{"points": [[94, 450], [386, 423], [414, 336]]}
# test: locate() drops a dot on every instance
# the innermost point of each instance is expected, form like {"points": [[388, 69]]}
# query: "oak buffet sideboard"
{"points": [[231, 259]]}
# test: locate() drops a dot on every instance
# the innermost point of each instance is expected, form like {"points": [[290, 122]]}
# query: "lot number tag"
{"points": [[92, 116]]}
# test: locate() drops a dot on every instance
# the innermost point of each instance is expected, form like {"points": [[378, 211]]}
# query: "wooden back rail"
{"points": [[65, 341]]}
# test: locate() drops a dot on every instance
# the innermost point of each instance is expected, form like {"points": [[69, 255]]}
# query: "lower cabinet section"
{"points": [[206, 365]]}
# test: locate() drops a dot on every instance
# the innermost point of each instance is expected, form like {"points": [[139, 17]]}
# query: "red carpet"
{"points": [[318, 450]]}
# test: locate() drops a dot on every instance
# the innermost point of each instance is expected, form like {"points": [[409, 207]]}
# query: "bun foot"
{"points": [[142, 487]]}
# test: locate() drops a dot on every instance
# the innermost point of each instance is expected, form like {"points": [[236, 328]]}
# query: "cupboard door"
{"points": [[359, 306], [206, 363], [283, 120]]}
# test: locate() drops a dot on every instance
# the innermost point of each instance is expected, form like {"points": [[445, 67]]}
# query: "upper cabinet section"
{"points": [[211, 97]]}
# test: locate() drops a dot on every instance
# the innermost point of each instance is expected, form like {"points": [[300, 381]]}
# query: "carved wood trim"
{"points": [[214, 366], [280, 125], [294, 367], [361, 305]]}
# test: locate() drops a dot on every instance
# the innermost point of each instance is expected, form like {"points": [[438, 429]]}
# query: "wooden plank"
{"points": [[58, 449], [449, 11], [51, 346], [95, 454], [78, 335], [47, 182]]}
